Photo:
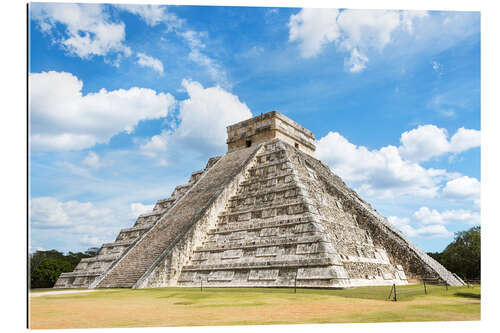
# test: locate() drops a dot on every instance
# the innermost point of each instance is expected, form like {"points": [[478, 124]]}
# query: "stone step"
{"points": [[256, 224], [138, 228], [259, 166], [277, 189], [118, 243], [274, 241], [279, 173], [266, 264]]}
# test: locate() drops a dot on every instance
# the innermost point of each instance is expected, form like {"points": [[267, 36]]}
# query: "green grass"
{"points": [[251, 306]]}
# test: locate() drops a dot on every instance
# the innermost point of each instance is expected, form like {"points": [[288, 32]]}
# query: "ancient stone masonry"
{"points": [[266, 214]]}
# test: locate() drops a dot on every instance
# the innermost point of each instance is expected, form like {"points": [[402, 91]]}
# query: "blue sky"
{"points": [[127, 101]]}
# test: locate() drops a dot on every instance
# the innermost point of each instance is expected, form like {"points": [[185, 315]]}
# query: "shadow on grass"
{"points": [[468, 295]]}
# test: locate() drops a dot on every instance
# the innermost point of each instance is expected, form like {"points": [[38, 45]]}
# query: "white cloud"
{"points": [[92, 160], [430, 223], [156, 147], [88, 29], [382, 173], [428, 231], [138, 208], [425, 142], [48, 212], [398, 221], [367, 28], [147, 61], [153, 15], [427, 216], [62, 118], [408, 18], [312, 28], [463, 188], [357, 62], [74, 225], [391, 170], [214, 106], [465, 139], [353, 31]]}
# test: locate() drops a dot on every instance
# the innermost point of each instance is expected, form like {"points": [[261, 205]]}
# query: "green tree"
{"points": [[47, 272], [46, 266], [463, 255]]}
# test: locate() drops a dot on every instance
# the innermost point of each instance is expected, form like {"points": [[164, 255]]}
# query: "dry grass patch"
{"points": [[240, 306]]}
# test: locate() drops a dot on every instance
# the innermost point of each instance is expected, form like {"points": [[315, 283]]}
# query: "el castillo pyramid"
{"points": [[265, 214]]}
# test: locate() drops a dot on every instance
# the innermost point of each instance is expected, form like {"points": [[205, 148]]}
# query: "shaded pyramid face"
{"points": [[267, 215]]}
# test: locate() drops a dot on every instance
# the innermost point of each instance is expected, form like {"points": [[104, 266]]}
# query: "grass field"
{"points": [[242, 306]]}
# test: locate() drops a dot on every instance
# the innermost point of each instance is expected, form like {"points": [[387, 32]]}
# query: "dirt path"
{"points": [[60, 292]]}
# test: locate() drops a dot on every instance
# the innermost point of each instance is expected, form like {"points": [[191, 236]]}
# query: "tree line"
{"points": [[46, 266], [463, 255]]}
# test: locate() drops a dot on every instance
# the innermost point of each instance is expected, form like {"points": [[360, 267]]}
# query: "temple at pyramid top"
{"points": [[268, 126]]}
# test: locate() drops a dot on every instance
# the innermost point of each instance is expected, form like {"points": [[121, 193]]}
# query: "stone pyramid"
{"points": [[265, 214]]}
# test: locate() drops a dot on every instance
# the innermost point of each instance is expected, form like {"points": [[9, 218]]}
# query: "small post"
{"points": [[425, 288], [446, 284], [201, 284], [390, 293], [395, 297]]}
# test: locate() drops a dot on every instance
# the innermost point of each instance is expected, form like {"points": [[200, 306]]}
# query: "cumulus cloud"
{"points": [[383, 173], [391, 170], [425, 142], [88, 29], [48, 213], [398, 221], [428, 231], [425, 231], [214, 106], [427, 216], [138, 208], [147, 61], [312, 28], [463, 188], [353, 31], [430, 223], [73, 225], [62, 118]]}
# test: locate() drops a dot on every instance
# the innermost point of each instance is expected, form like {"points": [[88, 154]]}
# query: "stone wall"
{"points": [[269, 126]]}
